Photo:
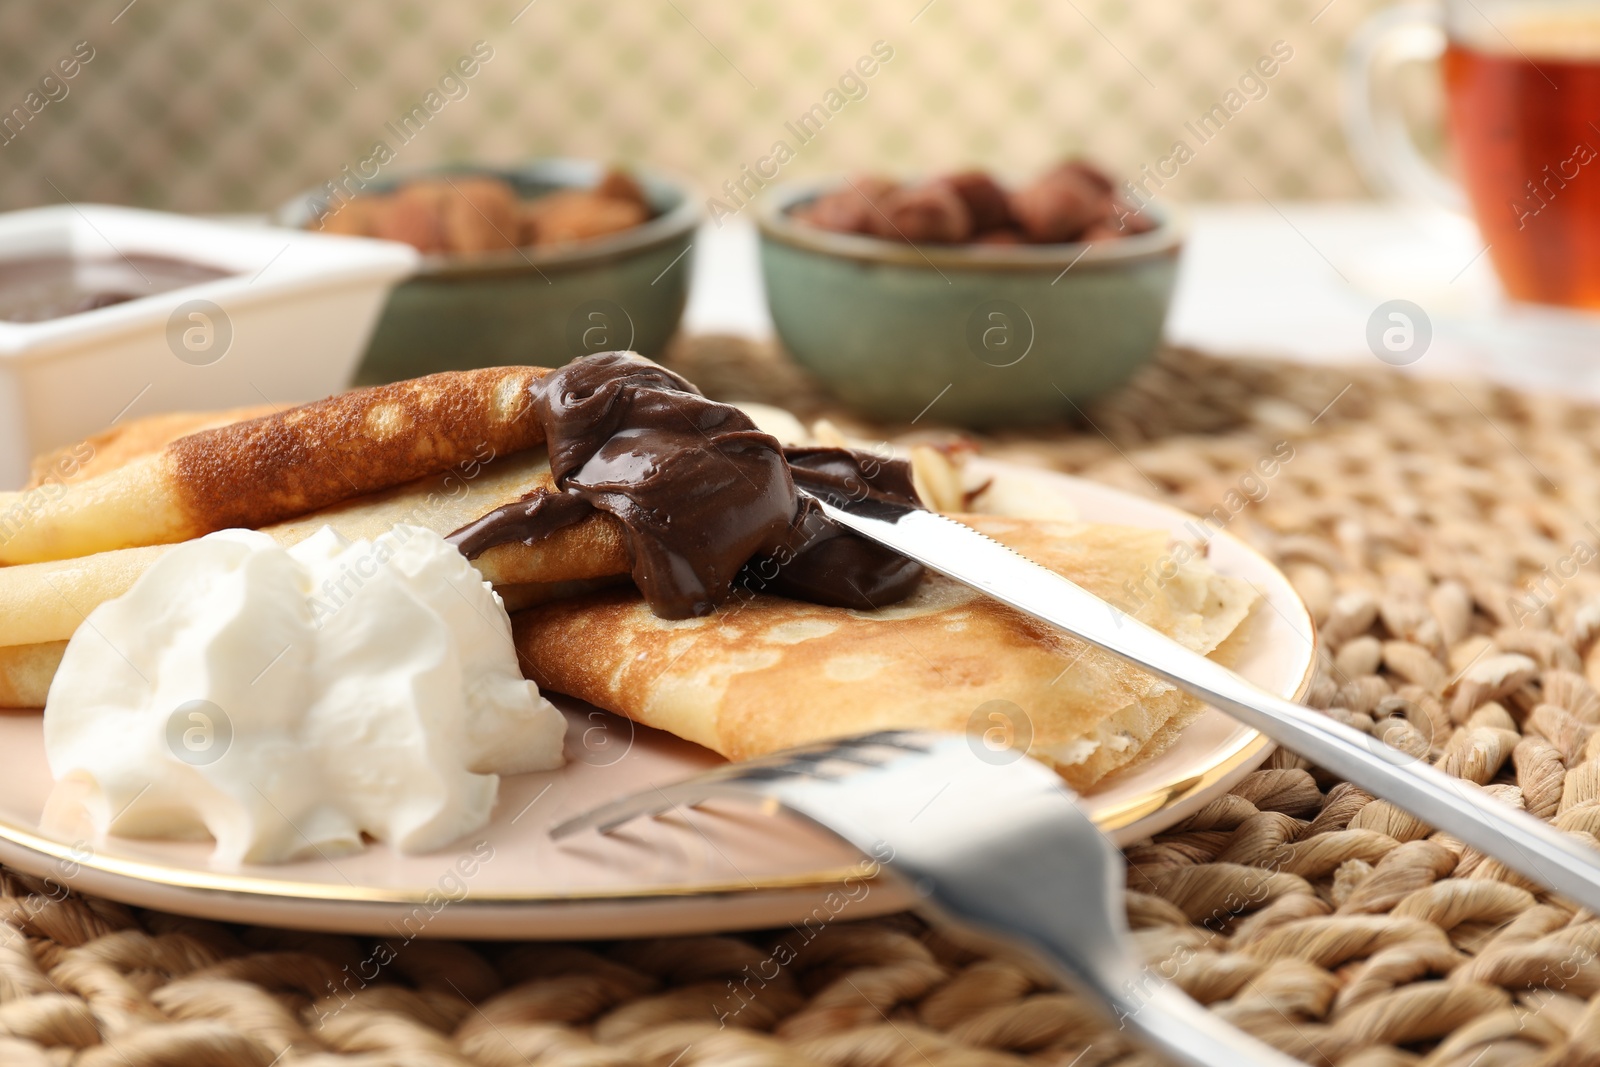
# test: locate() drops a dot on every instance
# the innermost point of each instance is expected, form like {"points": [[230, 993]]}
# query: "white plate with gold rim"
{"points": [[723, 870]]}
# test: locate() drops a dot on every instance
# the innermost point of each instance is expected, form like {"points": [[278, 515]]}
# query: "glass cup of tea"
{"points": [[1522, 92]]}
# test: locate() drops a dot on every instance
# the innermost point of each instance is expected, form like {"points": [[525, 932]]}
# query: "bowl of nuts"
{"points": [[533, 264], [966, 301]]}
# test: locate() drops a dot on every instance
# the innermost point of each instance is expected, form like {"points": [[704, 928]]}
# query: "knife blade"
{"points": [[1519, 840]]}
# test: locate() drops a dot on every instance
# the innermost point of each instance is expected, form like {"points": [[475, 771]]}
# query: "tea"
{"points": [[1524, 104]]}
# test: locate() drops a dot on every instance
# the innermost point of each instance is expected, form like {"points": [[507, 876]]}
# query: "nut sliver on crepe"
{"points": [[771, 672]]}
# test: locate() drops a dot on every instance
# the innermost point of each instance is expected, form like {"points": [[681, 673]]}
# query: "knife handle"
{"points": [[1521, 841]]}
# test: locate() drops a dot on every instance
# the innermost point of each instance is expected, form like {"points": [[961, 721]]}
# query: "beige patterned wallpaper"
{"points": [[216, 105]]}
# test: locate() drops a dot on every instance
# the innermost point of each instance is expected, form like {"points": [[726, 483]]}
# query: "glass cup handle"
{"points": [[1380, 141]]}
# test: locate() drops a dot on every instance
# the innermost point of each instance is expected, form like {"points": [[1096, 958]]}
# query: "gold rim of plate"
{"points": [[1251, 745]]}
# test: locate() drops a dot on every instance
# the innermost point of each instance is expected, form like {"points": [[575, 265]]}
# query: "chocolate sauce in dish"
{"points": [[708, 501], [39, 288]]}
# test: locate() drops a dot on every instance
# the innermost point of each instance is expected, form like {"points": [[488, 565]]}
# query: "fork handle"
{"points": [[1167, 1020]]}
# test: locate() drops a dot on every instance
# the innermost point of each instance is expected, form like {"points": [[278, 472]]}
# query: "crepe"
{"points": [[128, 441], [26, 672], [771, 673], [757, 676], [42, 604], [269, 469]]}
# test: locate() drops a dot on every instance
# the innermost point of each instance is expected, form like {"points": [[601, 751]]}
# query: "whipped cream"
{"points": [[286, 701]]}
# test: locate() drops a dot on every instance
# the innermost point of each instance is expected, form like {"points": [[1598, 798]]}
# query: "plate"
{"points": [[727, 869]]}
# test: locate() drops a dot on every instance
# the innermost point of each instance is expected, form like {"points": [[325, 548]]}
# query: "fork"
{"points": [[992, 842]]}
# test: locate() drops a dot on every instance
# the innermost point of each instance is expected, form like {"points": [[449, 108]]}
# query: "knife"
{"points": [[1519, 840]]}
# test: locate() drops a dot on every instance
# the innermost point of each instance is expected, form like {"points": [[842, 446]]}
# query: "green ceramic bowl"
{"points": [[535, 306], [981, 336]]}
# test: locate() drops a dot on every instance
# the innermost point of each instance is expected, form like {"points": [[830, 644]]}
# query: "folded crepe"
{"points": [[769, 673]]}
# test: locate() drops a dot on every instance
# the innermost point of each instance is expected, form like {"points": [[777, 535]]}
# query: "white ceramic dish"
{"points": [[296, 313], [727, 869]]}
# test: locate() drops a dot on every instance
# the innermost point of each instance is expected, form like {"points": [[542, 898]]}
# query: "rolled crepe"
{"points": [[127, 441], [26, 672], [770, 673], [42, 604], [269, 469]]}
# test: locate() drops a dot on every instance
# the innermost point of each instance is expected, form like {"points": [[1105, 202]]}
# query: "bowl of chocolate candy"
{"points": [[964, 300], [533, 264]]}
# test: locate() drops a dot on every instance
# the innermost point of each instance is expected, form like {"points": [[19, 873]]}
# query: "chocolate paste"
{"points": [[708, 501], [39, 288]]}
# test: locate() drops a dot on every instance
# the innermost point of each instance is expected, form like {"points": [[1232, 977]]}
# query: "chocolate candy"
{"points": [[985, 199], [924, 214], [848, 209], [1059, 206], [1073, 201]]}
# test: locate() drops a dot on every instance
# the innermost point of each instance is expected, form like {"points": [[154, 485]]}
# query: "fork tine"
{"points": [[645, 809], [809, 760], [607, 817], [910, 740], [748, 777], [653, 802]]}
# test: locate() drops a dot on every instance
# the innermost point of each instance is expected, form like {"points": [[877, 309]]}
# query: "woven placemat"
{"points": [[1441, 536]]}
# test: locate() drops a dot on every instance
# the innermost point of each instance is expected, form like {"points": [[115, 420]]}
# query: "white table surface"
{"points": [[1297, 281]]}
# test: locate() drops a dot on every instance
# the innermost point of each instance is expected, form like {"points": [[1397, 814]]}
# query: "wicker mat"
{"points": [[1440, 535]]}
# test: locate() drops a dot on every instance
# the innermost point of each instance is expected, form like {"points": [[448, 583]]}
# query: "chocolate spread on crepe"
{"points": [[706, 499]]}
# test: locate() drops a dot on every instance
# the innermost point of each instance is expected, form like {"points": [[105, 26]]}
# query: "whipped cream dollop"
{"points": [[288, 701]]}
